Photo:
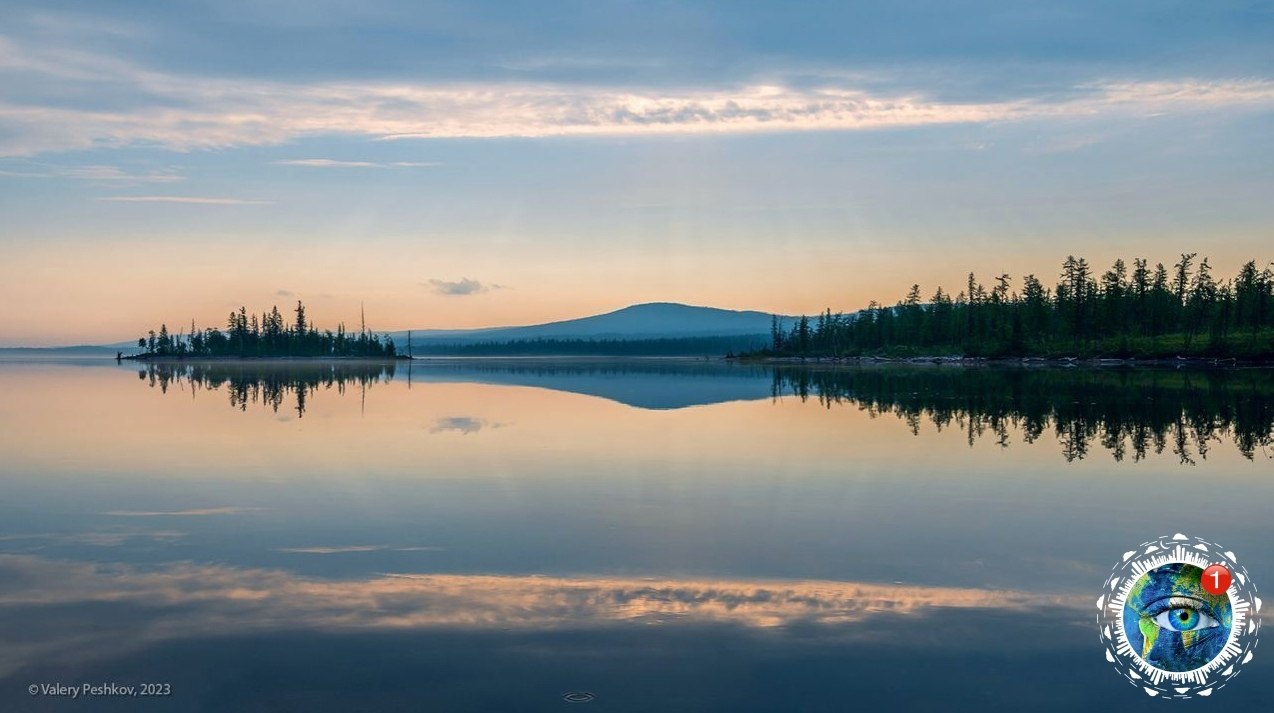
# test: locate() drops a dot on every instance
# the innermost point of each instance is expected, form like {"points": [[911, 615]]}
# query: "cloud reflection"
{"points": [[184, 600], [342, 549], [461, 424]]}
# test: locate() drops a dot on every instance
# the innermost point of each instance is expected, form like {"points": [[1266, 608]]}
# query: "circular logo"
{"points": [[1179, 617]]}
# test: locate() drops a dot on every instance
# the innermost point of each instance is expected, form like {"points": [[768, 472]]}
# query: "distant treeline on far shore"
{"points": [[267, 335], [1141, 311]]}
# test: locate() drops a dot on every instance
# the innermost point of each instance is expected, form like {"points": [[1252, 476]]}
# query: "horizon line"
{"points": [[111, 345]]}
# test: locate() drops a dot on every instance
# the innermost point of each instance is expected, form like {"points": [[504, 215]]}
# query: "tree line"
{"points": [[1141, 311], [267, 335]]}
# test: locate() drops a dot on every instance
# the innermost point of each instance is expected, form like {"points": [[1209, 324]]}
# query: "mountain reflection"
{"points": [[1128, 412], [267, 383]]}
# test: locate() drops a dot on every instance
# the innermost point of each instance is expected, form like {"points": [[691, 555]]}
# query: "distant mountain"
{"points": [[654, 320]]}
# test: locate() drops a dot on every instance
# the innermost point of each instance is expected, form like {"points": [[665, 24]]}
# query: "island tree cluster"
{"points": [[1127, 311], [266, 335]]}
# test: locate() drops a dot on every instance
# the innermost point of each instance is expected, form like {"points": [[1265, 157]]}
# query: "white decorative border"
{"points": [[1238, 649]]}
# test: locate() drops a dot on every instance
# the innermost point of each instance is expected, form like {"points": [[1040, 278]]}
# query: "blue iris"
{"points": [[1186, 615]]}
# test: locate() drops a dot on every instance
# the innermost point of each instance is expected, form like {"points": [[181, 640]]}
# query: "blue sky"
{"points": [[169, 160]]}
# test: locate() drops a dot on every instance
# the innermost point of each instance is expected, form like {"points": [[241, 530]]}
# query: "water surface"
{"points": [[658, 534]]}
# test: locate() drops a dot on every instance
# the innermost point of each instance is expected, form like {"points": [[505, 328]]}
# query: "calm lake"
{"points": [[640, 535]]}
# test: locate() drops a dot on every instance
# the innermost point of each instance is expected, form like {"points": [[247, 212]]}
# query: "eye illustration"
{"points": [[1172, 622], [1185, 614]]}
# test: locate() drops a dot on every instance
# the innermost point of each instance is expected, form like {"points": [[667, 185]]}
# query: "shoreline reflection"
{"points": [[1129, 413]]}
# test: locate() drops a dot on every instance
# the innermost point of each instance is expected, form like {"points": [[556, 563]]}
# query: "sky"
{"points": [[468, 164]]}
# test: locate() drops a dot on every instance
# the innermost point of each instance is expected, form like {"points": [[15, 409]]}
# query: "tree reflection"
{"points": [[265, 383], [1127, 412]]}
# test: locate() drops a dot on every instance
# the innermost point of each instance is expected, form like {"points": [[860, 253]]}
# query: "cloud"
{"points": [[180, 112], [116, 174], [98, 539], [195, 512], [284, 293], [327, 163], [356, 548], [463, 286], [195, 200], [333, 163], [115, 539], [96, 172]]}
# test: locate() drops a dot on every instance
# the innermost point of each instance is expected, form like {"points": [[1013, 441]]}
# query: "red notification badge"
{"points": [[1216, 579]]}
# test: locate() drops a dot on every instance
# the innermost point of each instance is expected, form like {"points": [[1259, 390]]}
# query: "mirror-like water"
{"points": [[662, 535]]}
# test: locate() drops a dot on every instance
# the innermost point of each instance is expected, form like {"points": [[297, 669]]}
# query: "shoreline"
{"points": [[948, 360], [308, 359], [961, 361]]}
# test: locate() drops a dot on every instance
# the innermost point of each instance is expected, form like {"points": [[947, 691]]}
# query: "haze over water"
{"points": [[662, 535]]}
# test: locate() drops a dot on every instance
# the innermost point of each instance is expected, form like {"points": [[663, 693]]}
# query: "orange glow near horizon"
{"points": [[112, 291]]}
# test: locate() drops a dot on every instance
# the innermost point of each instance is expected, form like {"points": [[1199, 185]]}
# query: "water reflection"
{"points": [[189, 600], [1126, 412], [1129, 413], [249, 639], [268, 383], [664, 535], [126, 620], [649, 383]]}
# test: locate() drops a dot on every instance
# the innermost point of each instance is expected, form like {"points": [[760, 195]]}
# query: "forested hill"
{"points": [[1141, 311]]}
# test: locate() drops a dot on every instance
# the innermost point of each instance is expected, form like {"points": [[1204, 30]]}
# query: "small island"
{"points": [[265, 336]]}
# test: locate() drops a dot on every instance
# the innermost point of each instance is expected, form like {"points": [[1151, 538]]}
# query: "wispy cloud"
{"points": [[183, 112], [96, 172], [333, 163], [118, 175], [194, 512], [98, 539], [461, 287], [356, 548], [195, 200]]}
